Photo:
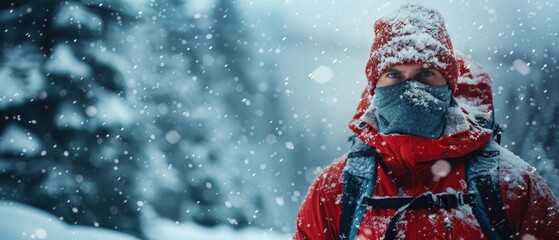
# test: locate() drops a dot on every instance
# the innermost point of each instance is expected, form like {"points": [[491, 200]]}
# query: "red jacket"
{"points": [[406, 170], [531, 208]]}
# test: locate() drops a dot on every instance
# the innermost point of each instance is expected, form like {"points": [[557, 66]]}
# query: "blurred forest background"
{"points": [[220, 111]]}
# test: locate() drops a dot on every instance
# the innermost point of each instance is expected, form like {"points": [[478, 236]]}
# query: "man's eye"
{"points": [[427, 74], [392, 75]]}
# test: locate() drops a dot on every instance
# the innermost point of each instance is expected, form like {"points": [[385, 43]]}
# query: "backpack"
{"points": [[474, 92], [483, 193]]}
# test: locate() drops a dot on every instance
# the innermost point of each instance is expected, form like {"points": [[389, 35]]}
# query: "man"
{"points": [[423, 178]]}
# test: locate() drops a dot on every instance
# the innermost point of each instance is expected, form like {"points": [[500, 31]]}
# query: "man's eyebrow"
{"points": [[392, 70], [427, 68], [419, 70]]}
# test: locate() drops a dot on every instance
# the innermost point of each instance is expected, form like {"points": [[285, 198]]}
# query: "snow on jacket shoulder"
{"points": [[319, 215], [531, 208]]}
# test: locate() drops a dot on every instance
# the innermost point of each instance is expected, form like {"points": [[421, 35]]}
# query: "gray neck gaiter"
{"points": [[413, 108]]}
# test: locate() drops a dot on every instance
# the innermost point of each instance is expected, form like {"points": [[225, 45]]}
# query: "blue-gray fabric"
{"points": [[412, 108]]}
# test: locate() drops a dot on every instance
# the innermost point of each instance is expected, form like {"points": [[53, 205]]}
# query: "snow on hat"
{"points": [[412, 34]]}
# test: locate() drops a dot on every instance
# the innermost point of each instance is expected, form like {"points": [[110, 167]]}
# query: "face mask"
{"points": [[413, 108]]}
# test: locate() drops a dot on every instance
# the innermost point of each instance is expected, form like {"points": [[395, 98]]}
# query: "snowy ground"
{"points": [[167, 230], [26, 222]]}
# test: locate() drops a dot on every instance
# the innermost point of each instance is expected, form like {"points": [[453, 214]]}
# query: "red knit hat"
{"points": [[412, 34]]}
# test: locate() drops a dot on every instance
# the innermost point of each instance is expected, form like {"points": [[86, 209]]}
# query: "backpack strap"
{"points": [[359, 182], [482, 173], [493, 126], [352, 190], [427, 200]]}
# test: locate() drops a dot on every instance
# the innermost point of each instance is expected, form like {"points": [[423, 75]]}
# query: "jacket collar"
{"points": [[409, 157]]}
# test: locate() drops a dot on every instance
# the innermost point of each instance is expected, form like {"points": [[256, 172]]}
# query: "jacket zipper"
{"points": [[448, 226]]}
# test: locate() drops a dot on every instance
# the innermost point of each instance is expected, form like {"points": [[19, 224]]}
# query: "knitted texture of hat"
{"points": [[412, 34]]}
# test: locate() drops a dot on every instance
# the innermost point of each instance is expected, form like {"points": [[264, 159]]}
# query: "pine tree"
{"points": [[84, 159], [112, 105]]}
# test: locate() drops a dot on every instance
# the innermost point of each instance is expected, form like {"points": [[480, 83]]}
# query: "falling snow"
{"points": [[155, 119]]}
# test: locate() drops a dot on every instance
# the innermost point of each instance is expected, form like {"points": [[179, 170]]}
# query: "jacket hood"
{"points": [[414, 34], [467, 128]]}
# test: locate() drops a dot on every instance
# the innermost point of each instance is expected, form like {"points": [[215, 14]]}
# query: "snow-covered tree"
{"points": [[112, 106], [67, 143]]}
